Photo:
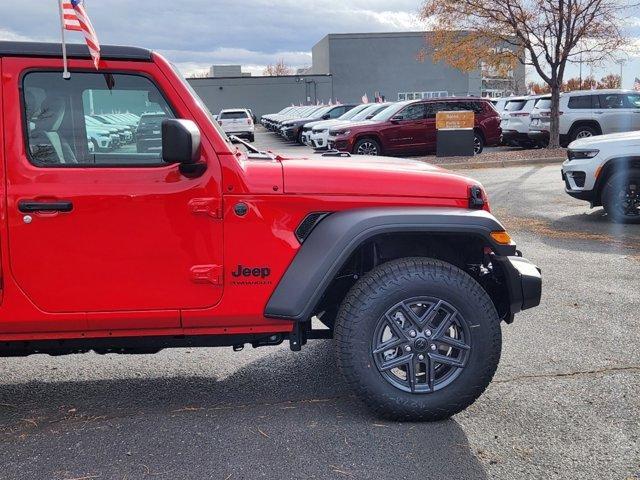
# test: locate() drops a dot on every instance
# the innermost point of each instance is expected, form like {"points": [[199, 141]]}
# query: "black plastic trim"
{"points": [[523, 280], [74, 50], [334, 239]]}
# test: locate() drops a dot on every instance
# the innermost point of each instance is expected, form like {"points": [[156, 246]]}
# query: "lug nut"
{"points": [[420, 357], [433, 347], [412, 333], [427, 333], [407, 348]]}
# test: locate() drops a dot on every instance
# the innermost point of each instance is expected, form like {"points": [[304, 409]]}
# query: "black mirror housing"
{"points": [[180, 141], [397, 118], [326, 116]]}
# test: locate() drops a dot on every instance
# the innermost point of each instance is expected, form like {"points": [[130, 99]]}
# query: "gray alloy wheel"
{"points": [[421, 345]]}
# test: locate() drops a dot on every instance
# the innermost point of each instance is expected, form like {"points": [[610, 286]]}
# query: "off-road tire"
{"points": [[394, 282], [612, 189], [252, 138]]}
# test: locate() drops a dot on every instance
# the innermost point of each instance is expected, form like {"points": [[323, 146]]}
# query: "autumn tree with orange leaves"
{"points": [[277, 70], [545, 34]]}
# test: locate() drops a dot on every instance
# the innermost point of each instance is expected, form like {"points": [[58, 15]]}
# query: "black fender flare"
{"points": [[336, 237]]}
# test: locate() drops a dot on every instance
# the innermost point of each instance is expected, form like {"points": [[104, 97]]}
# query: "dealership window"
{"points": [[93, 119], [403, 96]]}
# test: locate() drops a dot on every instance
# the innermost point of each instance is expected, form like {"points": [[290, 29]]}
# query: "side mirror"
{"points": [[326, 116], [397, 118], [181, 144]]}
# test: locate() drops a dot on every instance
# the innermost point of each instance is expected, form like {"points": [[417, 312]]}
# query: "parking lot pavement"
{"points": [[564, 404]]}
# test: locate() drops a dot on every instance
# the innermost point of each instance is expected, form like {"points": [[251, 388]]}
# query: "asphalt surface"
{"points": [[565, 402]]}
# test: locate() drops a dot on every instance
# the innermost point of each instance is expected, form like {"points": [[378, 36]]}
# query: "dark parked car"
{"points": [[409, 128], [149, 133], [292, 129]]}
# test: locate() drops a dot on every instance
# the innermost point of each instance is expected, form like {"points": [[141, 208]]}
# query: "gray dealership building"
{"points": [[396, 66]]}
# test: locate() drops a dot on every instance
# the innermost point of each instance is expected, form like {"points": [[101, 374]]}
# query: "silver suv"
{"points": [[586, 113]]}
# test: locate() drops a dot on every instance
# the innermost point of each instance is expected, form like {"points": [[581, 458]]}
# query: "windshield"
{"points": [[353, 112], [372, 111], [200, 103], [543, 103], [389, 112], [515, 105]]}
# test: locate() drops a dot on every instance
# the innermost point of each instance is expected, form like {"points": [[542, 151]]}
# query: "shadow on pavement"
{"points": [[283, 415]]}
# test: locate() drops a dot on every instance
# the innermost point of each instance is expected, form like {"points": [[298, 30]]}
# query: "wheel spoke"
{"points": [[453, 342], [389, 344], [431, 313], [395, 328], [443, 359], [444, 326], [431, 374], [410, 315], [396, 362], [411, 374]]}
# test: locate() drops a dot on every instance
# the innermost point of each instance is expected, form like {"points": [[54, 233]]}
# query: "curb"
{"points": [[500, 163]]}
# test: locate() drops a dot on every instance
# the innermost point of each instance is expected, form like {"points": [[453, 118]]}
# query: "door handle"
{"points": [[33, 206]]}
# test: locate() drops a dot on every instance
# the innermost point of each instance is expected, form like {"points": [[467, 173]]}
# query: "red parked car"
{"points": [[409, 128], [196, 243]]}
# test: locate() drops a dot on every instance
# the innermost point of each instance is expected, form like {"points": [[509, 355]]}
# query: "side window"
{"points": [[432, 108], [581, 102], [414, 112], [93, 119], [612, 101], [633, 100], [337, 112]]}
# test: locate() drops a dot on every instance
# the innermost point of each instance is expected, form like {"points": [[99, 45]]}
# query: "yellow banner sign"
{"points": [[455, 120]]}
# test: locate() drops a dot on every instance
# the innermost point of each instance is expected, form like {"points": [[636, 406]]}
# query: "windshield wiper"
{"points": [[249, 147]]}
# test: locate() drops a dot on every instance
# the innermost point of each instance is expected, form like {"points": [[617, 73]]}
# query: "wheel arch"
{"points": [[585, 123], [610, 167], [374, 135], [322, 263]]}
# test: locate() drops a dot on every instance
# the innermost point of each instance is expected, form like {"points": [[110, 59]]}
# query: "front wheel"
{"points": [[621, 196], [418, 339], [367, 146]]}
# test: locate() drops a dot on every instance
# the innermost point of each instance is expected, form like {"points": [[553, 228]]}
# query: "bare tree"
{"points": [[610, 81], [546, 34], [277, 70]]}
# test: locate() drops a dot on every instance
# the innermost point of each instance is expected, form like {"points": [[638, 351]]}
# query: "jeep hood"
{"points": [[628, 138], [375, 176]]}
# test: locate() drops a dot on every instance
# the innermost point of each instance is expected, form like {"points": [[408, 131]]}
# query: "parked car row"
{"points": [[106, 132], [400, 128], [526, 121]]}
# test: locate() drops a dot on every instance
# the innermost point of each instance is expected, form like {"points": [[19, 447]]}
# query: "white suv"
{"points": [[516, 117], [605, 171], [587, 113], [238, 122]]}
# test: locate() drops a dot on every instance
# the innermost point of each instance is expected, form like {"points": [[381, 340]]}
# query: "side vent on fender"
{"points": [[309, 223]]}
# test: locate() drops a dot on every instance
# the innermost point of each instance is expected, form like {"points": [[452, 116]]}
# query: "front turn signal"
{"points": [[502, 237]]}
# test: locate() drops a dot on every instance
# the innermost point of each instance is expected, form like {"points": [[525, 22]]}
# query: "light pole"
{"points": [[621, 62]]}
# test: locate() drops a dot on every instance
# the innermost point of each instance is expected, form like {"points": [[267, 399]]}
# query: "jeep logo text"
{"points": [[242, 271]]}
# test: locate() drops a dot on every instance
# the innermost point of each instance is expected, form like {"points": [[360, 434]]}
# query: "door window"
{"points": [[612, 101], [414, 112], [632, 100], [93, 119]]}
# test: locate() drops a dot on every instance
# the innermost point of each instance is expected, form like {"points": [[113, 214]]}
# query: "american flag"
{"points": [[636, 84], [75, 18]]}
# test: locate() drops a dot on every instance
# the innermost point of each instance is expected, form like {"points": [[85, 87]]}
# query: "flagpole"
{"points": [[65, 74]]}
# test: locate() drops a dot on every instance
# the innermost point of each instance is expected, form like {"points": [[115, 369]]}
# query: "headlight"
{"points": [[341, 133], [581, 154]]}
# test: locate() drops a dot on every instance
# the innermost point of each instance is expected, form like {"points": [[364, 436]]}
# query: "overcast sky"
{"points": [[197, 33]]}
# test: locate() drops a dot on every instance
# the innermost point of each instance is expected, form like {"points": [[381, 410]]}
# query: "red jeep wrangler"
{"points": [[190, 242]]}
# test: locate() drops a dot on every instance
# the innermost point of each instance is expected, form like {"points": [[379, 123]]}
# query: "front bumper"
{"points": [[340, 143], [523, 281]]}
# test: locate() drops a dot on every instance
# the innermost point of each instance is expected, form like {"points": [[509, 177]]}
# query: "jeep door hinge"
{"points": [[206, 206], [207, 274]]}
